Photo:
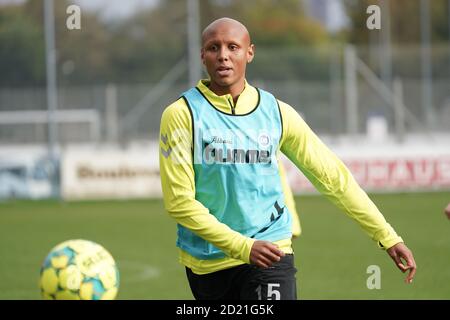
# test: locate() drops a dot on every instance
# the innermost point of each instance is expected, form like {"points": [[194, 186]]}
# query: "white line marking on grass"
{"points": [[140, 271]]}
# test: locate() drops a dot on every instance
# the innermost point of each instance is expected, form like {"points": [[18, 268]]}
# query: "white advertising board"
{"points": [[110, 174]]}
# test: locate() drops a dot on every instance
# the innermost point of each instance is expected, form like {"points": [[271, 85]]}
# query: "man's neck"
{"points": [[234, 90]]}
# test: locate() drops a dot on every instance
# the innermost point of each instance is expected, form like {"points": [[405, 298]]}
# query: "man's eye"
{"points": [[213, 48], [233, 47]]}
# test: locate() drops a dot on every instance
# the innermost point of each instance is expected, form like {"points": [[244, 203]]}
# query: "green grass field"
{"points": [[332, 254]]}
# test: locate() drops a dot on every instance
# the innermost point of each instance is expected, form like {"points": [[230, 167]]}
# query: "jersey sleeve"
{"points": [[289, 200], [178, 185], [331, 177]]}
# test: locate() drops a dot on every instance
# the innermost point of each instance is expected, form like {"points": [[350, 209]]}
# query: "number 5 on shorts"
{"points": [[272, 293]]}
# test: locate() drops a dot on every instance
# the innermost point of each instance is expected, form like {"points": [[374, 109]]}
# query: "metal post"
{"points": [[386, 52], [335, 78], [351, 90], [112, 128], [195, 68], [52, 97], [427, 82], [399, 110]]}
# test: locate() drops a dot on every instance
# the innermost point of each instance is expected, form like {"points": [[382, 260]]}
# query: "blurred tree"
{"points": [[21, 49], [143, 47], [82, 55], [270, 23], [405, 20], [149, 43]]}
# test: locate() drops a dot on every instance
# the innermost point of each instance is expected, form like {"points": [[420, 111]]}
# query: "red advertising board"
{"points": [[388, 174]]}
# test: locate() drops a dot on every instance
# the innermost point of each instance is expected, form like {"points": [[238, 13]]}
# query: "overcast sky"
{"points": [[107, 8], [115, 8]]}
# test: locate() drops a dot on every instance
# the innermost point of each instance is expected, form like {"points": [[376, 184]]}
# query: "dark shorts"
{"points": [[247, 282]]}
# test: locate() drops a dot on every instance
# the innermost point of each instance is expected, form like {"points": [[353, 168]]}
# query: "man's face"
{"points": [[225, 53]]}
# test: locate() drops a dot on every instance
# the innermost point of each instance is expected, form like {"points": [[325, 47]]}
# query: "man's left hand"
{"points": [[400, 251], [447, 211]]}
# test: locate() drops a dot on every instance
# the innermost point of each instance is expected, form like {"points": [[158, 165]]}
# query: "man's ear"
{"points": [[202, 55], [250, 53]]}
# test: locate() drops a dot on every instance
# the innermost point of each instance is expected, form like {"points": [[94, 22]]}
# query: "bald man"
{"points": [[221, 182]]}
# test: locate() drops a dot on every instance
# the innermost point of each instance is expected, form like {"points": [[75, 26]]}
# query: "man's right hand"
{"points": [[264, 254], [447, 211]]}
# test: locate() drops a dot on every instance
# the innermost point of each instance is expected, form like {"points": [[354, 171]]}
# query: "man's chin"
{"points": [[224, 82]]}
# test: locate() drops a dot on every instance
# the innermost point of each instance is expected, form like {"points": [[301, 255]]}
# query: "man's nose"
{"points": [[223, 54]]}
